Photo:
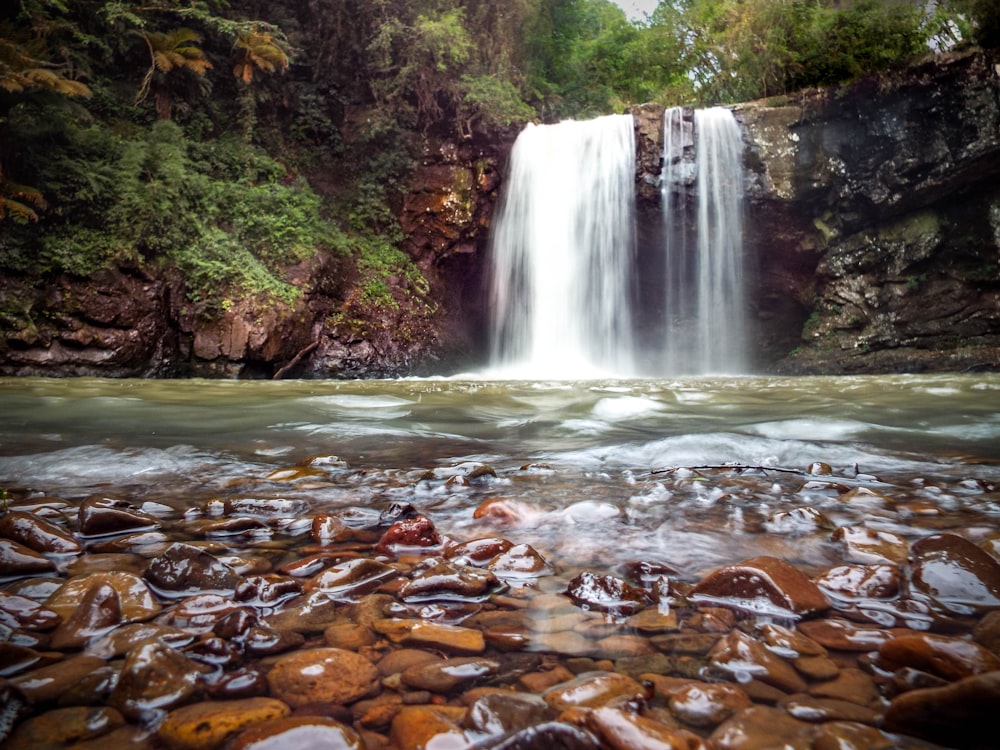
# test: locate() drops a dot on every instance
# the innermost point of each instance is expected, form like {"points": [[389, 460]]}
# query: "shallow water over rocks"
{"points": [[718, 563]]}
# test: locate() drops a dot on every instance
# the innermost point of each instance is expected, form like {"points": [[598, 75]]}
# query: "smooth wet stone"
{"points": [[299, 733], [15, 658], [867, 546], [101, 516], [410, 535], [847, 735], [311, 613], [955, 573], [744, 658], [654, 620], [241, 682], [135, 600], [351, 579], [452, 639], [623, 730], [106, 562], [199, 613], [266, 590], [267, 507], [38, 534], [500, 712], [99, 611], [349, 636], [509, 513], [686, 644], [20, 612], [962, 714], [798, 521], [205, 726], [322, 675], [184, 569], [987, 632], [592, 690], [565, 643], [788, 641], [842, 635], [620, 646], [450, 674], [851, 685], [155, 678], [944, 656], [763, 584], [46, 684], [521, 561], [429, 728], [448, 580], [143, 542], [816, 667], [814, 709], [552, 735], [16, 560], [606, 593], [478, 552], [763, 728], [877, 581], [63, 727], [707, 705]]}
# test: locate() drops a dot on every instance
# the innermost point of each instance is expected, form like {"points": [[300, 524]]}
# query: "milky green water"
{"points": [[588, 458]]}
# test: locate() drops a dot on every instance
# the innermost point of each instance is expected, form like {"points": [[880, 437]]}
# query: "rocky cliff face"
{"points": [[875, 221], [134, 322]]}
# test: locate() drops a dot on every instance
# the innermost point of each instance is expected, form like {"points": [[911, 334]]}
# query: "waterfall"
{"points": [[702, 190], [563, 252]]}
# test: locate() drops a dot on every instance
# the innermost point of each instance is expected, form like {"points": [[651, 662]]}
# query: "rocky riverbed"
{"points": [[252, 619]]}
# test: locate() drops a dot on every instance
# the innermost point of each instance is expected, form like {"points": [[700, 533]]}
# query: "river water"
{"points": [[590, 472]]}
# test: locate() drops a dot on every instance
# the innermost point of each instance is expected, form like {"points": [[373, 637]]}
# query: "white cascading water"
{"points": [[563, 252], [705, 318]]}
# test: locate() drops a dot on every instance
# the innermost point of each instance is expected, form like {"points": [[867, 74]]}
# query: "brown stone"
{"points": [[38, 534], [962, 714], [622, 730], [155, 678], [879, 581], [499, 712], [20, 612], [850, 685], [450, 674], [416, 727], [765, 584], [945, 656], [322, 675], [136, 602], [847, 735], [205, 726], [98, 612], [813, 709], [592, 690], [46, 684], [763, 728], [347, 635], [100, 515], [452, 639], [62, 727], [744, 657], [707, 705], [863, 545], [987, 632], [298, 733], [18, 560], [955, 573], [842, 635]]}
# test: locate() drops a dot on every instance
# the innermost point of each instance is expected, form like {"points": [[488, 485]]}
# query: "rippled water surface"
{"points": [[606, 470]]}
